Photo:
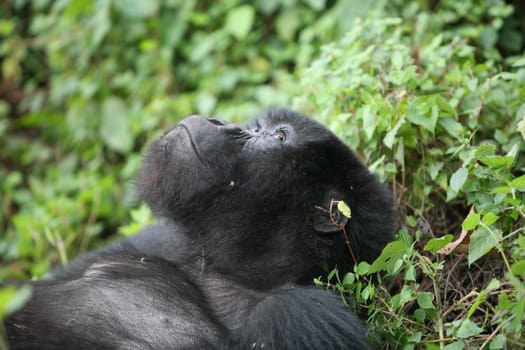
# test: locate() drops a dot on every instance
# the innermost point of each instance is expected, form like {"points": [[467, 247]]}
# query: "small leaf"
{"points": [[497, 161], [287, 24], [344, 209], [457, 345], [349, 279], [489, 218], [519, 63], [390, 136], [501, 189], [468, 329], [434, 168], [452, 126], [481, 242], [362, 268], [457, 180], [410, 273], [485, 150], [519, 183], [518, 268], [498, 342], [471, 222], [426, 300], [436, 244], [393, 252], [332, 274], [424, 112], [239, 21]]}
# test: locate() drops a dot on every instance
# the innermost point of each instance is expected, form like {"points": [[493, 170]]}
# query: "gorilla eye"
{"points": [[280, 135]]}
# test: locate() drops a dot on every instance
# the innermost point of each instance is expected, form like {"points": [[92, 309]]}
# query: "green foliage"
{"points": [[11, 299], [439, 115]]}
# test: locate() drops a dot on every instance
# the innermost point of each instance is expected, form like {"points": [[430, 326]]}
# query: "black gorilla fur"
{"points": [[243, 234]]}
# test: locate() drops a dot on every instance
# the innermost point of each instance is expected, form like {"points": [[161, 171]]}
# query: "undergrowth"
{"points": [[441, 123]]}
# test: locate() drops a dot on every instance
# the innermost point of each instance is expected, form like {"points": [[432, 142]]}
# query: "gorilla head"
{"points": [[256, 201]]}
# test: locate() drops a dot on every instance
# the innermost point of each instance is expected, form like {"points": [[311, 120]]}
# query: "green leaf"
{"points": [[518, 268], [457, 180], [287, 24], [6, 27], [12, 299], [344, 209], [367, 292], [332, 274], [426, 300], [436, 244], [392, 253], [410, 273], [471, 222], [415, 338], [519, 63], [349, 279], [136, 9], [468, 329], [421, 112], [498, 342], [115, 129], [370, 121], [434, 168], [481, 242], [390, 136], [489, 218], [501, 189], [485, 150], [493, 284], [488, 37], [457, 345], [362, 268], [497, 161], [403, 297], [452, 126], [239, 21], [519, 183]]}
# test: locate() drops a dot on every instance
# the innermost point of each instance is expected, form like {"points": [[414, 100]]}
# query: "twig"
{"points": [[493, 334]]}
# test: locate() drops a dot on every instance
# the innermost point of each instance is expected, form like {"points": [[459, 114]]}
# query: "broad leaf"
{"points": [[481, 242], [239, 21]]}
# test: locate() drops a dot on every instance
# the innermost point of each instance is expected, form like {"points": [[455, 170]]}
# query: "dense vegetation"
{"points": [[430, 93]]}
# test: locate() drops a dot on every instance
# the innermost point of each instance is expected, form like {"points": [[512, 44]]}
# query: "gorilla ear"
{"points": [[331, 219]]}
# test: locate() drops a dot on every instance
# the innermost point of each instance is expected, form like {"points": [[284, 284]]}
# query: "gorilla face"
{"points": [[270, 160], [263, 192]]}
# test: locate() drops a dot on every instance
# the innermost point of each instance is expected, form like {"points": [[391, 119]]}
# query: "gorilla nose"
{"points": [[217, 121], [207, 131], [199, 124]]}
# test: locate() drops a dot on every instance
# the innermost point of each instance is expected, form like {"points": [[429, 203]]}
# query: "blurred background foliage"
{"points": [[431, 93]]}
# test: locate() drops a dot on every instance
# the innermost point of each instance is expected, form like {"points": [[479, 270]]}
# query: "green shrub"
{"points": [[440, 124]]}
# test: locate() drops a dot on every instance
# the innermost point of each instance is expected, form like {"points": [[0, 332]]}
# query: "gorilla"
{"points": [[247, 220]]}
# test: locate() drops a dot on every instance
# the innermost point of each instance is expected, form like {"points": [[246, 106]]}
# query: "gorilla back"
{"points": [[247, 221]]}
